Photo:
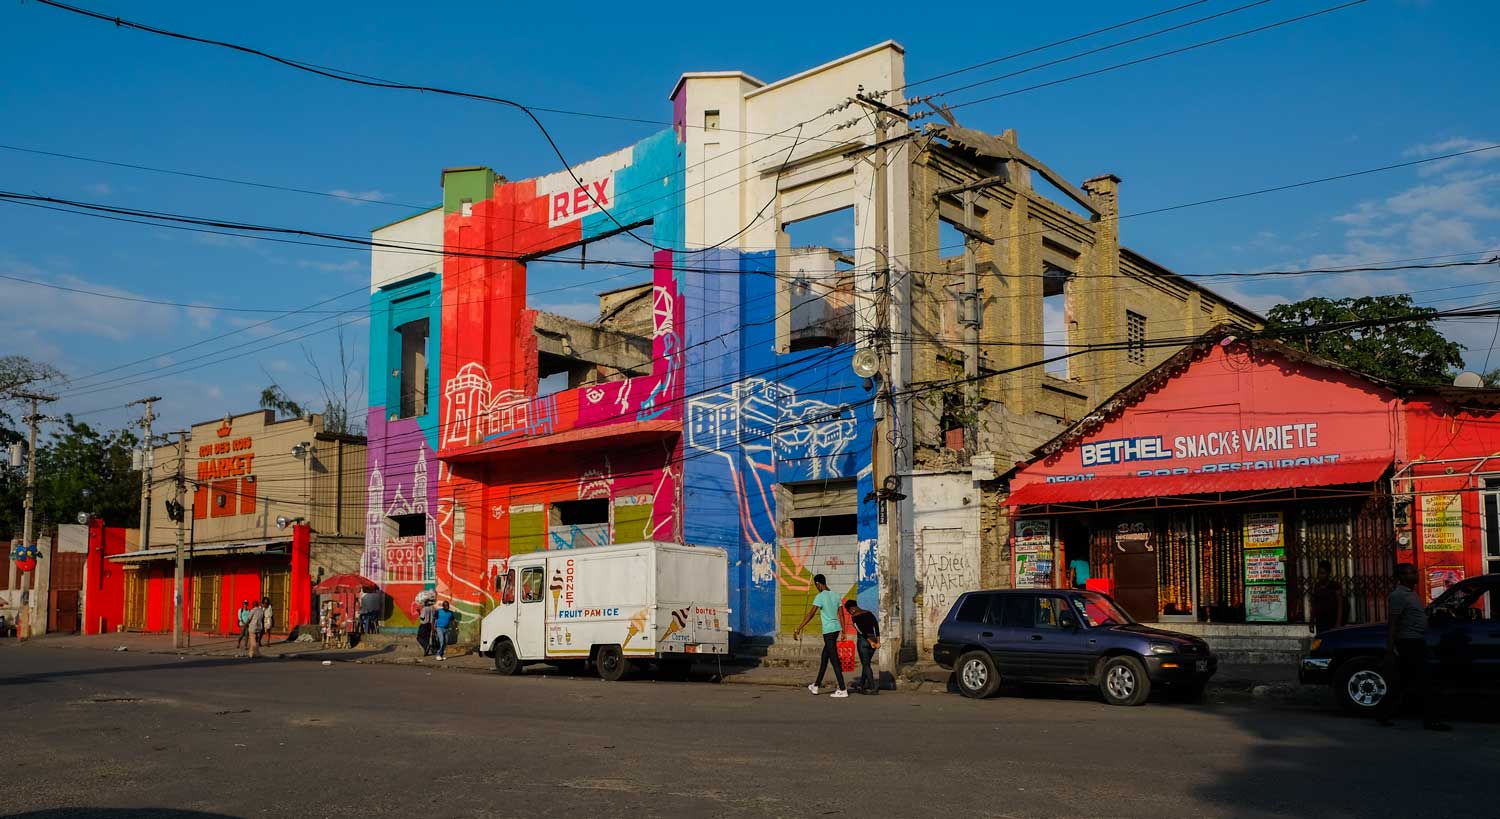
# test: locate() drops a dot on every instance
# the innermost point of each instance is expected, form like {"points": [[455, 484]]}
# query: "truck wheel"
{"points": [[611, 663], [1362, 685], [506, 661], [977, 677], [1123, 681]]}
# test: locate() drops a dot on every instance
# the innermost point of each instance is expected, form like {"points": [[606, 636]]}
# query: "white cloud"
{"points": [[354, 197], [352, 265], [99, 189], [52, 311], [1452, 146]]}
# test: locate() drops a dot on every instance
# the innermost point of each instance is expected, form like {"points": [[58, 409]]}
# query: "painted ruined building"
{"points": [[712, 401]]}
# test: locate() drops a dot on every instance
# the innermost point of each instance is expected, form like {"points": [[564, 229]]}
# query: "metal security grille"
{"points": [[1358, 540]]}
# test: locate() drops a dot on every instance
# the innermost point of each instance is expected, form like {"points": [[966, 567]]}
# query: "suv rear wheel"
{"points": [[1362, 686], [976, 675], [1123, 681]]}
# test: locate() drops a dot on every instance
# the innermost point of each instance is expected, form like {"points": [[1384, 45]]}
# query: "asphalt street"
{"points": [[102, 734]]}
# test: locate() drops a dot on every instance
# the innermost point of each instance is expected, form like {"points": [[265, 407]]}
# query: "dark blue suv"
{"points": [[1069, 637]]}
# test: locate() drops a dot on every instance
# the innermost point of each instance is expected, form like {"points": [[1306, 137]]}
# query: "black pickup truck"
{"points": [[1463, 638]]}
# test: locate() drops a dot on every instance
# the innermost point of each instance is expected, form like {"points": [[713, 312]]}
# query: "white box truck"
{"points": [[610, 606]]}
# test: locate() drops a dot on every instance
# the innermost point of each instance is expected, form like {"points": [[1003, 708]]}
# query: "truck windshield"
{"points": [[1097, 610]]}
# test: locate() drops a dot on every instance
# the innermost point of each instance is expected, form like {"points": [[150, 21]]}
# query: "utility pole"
{"points": [[147, 464], [26, 527], [177, 602], [888, 436], [969, 316]]}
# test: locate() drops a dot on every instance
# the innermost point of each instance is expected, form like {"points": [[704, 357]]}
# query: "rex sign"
{"points": [[1227, 413]]}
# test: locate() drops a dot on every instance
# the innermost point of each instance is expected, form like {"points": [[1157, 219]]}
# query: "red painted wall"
{"points": [[104, 581], [1433, 430]]}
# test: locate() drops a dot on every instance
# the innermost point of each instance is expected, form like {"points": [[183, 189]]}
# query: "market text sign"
{"points": [[226, 459]]}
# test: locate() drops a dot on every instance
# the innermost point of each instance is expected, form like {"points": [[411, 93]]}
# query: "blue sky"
{"points": [[1382, 82]]}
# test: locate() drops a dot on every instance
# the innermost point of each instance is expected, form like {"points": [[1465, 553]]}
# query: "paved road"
{"points": [[101, 734]]}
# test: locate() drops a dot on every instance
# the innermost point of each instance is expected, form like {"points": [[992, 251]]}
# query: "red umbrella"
{"points": [[345, 583]]}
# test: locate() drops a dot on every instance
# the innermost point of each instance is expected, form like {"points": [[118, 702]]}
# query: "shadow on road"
{"points": [[197, 663], [116, 813], [1316, 763]]}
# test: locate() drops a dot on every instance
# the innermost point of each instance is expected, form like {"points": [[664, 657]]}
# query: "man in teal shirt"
{"points": [[826, 605]]}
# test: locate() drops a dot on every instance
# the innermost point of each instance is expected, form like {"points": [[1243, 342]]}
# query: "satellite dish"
{"points": [[1468, 380], [866, 363]]}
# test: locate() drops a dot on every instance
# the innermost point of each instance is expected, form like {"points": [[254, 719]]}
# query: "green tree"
{"points": [[81, 469], [1409, 352], [17, 374]]}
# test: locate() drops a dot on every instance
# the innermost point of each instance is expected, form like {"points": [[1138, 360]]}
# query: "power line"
{"points": [[1152, 57], [1053, 44]]}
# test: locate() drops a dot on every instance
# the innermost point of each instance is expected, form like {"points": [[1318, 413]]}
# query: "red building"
{"points": [[1209, 490]]}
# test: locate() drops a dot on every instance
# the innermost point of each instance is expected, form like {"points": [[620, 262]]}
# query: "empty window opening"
{"points": [[1057, 320], [950, 240], [579, 512], [413, 373], [594, 320], [575, 524], [820, 509], [410, 525], [710, 120], [1135, 337], [816, 278]]}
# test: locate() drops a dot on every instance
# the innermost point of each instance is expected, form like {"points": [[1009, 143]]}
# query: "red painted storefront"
{"points": [[1211, 488], [136, 595]]}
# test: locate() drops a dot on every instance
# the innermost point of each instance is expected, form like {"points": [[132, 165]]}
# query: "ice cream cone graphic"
{"points": [[679, 622], [637, 626], [556, 588]]}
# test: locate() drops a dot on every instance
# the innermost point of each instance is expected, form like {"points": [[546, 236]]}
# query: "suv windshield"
{"points": [[1097, 610]]}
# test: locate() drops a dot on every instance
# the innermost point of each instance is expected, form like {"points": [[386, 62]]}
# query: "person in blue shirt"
{"points": [[446, 618], [826, 605]]}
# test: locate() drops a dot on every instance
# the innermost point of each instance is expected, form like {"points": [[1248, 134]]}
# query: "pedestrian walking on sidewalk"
{"points": [[866, 640], [255, 626], [826, 606], [1406, 650], [244, 616], [425, 618], [445, 619]]}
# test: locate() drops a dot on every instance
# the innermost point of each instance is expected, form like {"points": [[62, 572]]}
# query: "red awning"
{"points": [[1204, 483]]}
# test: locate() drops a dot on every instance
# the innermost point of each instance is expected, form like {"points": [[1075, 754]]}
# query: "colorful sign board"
{"points": [[1442, 523], [1263, 530], [1034, 570], [1265, 604], [1033, 535], [1439, 578], [1263, 566]]}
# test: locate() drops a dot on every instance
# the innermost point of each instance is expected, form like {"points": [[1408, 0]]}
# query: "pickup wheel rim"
{"points": [[1121, 682], [1366, 688], [975, 675]]}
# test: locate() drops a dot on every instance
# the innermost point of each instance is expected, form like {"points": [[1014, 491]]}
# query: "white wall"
{"points": [[422, 231]]}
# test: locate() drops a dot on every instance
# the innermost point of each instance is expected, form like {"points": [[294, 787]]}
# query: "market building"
{"points": [[712, 398], [271, 508], [1207, 492]]}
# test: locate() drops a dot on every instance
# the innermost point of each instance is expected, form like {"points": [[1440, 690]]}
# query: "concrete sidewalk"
{"points": [[1275, 683]]}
